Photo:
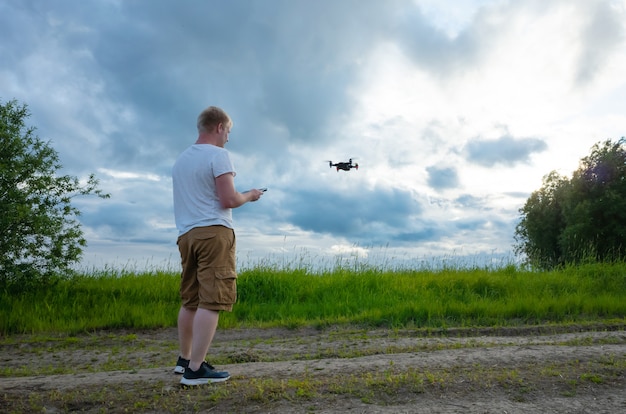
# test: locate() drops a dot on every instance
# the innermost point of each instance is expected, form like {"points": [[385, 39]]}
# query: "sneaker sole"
{"points": [[201, 381]]}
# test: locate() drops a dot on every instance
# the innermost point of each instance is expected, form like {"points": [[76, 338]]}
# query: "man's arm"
{"points": [[231, 198]]}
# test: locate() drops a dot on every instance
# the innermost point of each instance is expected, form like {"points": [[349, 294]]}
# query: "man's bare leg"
{"points": [[203, 328], [185, 331]]}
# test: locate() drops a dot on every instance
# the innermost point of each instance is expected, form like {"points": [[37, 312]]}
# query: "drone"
{"points": [[346, 166]]}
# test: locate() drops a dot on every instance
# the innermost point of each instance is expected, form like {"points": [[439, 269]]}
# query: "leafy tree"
{"points": [[41, 236], [596, 208], [541, 225], [568, 221]]}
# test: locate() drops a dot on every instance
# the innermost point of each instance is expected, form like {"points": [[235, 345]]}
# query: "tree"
{"points": [[542, 223], [41, 236], [568, 221], [596, 208]]}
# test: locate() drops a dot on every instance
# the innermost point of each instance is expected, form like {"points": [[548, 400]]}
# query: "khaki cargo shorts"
{"points": [[209, 278]]}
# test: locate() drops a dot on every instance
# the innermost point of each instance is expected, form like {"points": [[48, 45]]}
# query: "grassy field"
{"points": [[274, 297]]}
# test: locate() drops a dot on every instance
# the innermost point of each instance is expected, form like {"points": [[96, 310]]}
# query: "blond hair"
{"points": [[211, 117]]}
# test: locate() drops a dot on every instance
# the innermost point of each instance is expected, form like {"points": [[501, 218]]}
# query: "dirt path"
{"points": [[463, 371]]}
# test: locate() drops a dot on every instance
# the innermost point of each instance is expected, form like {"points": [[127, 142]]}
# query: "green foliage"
{"points": [[41, 236], [445, 298], [580, 219], [88, 302], [541, 224]]}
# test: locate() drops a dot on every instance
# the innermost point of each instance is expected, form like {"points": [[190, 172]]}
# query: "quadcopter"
{"points": [[346, 166]]}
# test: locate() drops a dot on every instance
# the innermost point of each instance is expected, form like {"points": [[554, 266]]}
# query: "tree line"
{"points": [[571, 220]]}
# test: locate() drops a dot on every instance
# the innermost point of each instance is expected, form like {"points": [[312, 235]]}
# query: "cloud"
{"points": [[441, 178], [470, 201], [380, 212], [506, 150], [602, 34]]}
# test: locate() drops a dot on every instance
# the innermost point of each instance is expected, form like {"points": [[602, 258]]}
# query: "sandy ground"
{"points": [[524, 370]]}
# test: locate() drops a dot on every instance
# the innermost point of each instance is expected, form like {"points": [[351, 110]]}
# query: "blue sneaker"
{"points": [[204, 375], [181, 365]]}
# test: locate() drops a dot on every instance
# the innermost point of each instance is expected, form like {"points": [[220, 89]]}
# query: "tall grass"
{"points": [[427, 298], [97, 301], [271, 296]]}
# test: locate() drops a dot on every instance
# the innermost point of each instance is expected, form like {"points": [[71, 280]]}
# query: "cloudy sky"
{"points": [[454, 110]]}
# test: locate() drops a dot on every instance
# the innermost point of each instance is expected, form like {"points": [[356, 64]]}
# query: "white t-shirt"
{"points": [[195, 195]]}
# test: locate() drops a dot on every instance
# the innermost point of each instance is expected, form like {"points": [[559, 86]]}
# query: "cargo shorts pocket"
{"points": [[224, 291]]}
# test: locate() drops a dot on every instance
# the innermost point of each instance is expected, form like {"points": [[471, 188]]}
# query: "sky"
{"points": [[454, 110]]}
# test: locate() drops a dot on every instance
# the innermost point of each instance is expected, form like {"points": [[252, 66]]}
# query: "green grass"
{"points": [[273, 297]]}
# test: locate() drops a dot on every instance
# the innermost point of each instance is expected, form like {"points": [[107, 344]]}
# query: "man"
{"points": [[204, 196]]}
